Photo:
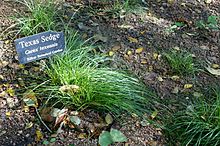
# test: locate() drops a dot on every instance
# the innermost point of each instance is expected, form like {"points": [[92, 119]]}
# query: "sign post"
{"points": [[39, 46]]}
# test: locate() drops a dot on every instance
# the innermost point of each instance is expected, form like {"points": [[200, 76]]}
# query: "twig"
{"points": [[42, 120]]}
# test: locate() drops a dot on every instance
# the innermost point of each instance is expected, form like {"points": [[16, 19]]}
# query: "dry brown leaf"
{"points": [[116, 48]]}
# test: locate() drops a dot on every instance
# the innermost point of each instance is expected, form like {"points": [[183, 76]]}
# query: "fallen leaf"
{"points": [[10, 91], [208, 1], [160, 79], [175, 78], [150, 68], [176, 48], [60, 116], [132, 40], [116, 48], [175, 90], [117, 136], [39, 135], [3, 63], [111, 53], [155, 55], [213, 71], [143, 61], [129, 52], [29, 125], [82, 136], [154, 114], [215, 66], [105, 139], [21, 66], [108, 119], [1, 77], [170, 1], [8, 114], [3, 94], [45, 142], [139, 50], [75, 120], [53, 140], [26, 109], [7, 41], [188, 86]]}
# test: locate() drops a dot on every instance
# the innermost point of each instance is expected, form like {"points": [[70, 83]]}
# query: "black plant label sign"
{"points": [[39, 46]]}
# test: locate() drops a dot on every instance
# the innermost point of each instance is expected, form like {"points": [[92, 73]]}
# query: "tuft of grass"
{"points": [[41, 17], [180, 62], [97, 87], [198, 123]]}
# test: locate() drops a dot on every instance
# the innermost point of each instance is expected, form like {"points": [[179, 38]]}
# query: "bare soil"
{"points": [[111, 33]]}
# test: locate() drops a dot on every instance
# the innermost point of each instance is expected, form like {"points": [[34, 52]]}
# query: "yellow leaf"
{"points": [[188, 86], [126, 57], [82, 136], [21, 66], [129, 52], [150, 68], [7, 41], [143, 61], [8, 114], [170, 1], [3, 94], [213, 71], [30, 98], [108, 119], [65, 17], [155, 56], [1, 77], [10, 91], [142, 32], [176, 48], [39, 135], [215, 66], [28, 125], [26, 109], [111, 53], [175, 78], [160, 79], [132, 40], [139, 50], [208, 1], [154, 114]]}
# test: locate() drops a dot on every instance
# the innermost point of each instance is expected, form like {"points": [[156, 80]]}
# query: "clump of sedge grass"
{"points": [[180, 62], [90, 86], [199, 123], [41, 17]]}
